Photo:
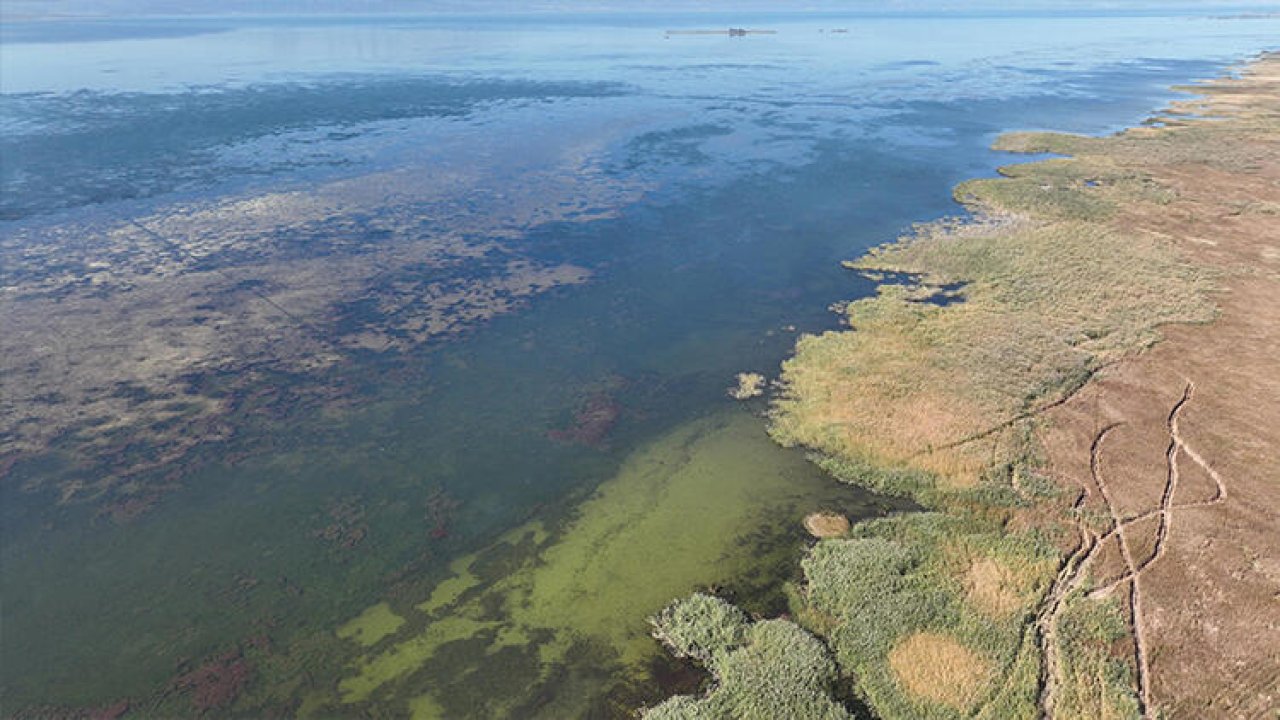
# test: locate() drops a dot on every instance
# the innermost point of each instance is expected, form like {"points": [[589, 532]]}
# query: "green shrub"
{"points": [[700, 626], [764, 670]]}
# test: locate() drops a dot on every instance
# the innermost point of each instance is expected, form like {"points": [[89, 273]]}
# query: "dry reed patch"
{"points": [[749, 385], [939, 668], [1044, 305], [993, 587], [996, 582], [826, 524], [882, 393]]}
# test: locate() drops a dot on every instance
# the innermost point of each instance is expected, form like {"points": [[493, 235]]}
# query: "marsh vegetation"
{"points": [[962, 610]]}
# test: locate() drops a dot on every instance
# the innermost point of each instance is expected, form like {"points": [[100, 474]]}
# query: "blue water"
{"points": [[710, 185]]}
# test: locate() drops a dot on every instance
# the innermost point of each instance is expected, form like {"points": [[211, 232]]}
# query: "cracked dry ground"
{"points": [[1179, 448]]}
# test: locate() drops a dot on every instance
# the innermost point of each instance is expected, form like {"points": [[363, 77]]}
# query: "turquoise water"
{"points": [[702, 189]]}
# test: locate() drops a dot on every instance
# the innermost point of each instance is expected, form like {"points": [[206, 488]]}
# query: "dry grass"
{"points": [[867, 394], [749, 385], [938, 668], [1045, 303], [998, 580], [994, 588], [826, 525]]}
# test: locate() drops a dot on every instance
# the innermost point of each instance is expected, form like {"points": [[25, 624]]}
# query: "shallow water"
{"points": [[610, 221]]}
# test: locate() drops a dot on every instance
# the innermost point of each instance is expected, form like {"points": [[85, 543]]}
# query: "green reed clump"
{"points": [[1019, 692], [700, 626], [762, 670], [1043, 142], [1046, 194]]}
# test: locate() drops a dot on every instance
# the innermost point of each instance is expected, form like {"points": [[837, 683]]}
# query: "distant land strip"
{"points": [[732, 32]]}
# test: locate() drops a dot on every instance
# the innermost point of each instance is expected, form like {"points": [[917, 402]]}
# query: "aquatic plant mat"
{"points": [[1011, 376]]}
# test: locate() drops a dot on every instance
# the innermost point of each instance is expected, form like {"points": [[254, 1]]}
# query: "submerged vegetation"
{"points": [[936, 392], [548, 621]]}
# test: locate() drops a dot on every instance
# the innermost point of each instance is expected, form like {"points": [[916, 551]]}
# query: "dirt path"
{"points": [[1166, 510]]}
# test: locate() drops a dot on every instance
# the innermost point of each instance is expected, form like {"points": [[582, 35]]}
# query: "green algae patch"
{"points": [[668, 522], [424, 708], [450, 589], [312, 705], [407, 656], [567, 607], [372, 625]]}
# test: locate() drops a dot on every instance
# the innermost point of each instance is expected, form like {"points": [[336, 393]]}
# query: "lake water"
{"points": [[379, 365]]}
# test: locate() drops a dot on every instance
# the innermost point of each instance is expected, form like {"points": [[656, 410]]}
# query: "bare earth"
{"points": [[1181, 444]]}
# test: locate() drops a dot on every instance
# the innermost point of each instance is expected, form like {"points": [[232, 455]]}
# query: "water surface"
{"points": [[380, 364]]}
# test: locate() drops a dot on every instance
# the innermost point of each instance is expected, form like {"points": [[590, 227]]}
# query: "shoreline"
{"points": [[974, 390], [362, 504]]}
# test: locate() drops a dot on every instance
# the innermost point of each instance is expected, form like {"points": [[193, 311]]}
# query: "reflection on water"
{"points": [[382, 365]]}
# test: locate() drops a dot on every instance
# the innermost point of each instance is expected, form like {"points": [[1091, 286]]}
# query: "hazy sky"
{"points": [[16, 9]]}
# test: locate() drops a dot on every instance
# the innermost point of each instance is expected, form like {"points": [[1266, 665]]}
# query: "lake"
{"points": [[380, 365]]}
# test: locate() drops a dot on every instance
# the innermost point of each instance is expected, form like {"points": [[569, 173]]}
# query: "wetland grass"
{"points": [[935, 614], [1095, 675]]}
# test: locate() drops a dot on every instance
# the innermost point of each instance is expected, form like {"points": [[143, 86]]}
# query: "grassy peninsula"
{"points": [[965, 384]]}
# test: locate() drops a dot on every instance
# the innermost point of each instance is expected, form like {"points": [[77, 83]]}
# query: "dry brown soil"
{"points": [[1181, 444]]}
